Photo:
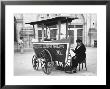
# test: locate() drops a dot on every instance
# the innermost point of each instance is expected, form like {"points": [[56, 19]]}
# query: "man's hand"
{"points": [[73, 50]]}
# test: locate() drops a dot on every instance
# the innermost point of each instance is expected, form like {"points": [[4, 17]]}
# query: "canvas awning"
{"points": [[52, 21]]}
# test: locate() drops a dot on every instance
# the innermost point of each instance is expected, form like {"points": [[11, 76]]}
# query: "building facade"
{"points": [[84, 28]]}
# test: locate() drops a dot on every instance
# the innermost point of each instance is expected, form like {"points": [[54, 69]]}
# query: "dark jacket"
{"points": [[80, 52]]}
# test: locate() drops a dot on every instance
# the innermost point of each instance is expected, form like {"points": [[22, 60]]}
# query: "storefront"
{"points": [[56, 28]]}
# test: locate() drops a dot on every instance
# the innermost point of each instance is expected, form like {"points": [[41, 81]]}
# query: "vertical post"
{"points": [[59, 29], [28, 41], [75, 36], [46, 31], [86, 31], [42, 32], [49, 33], [90, 30], [34, 30], [83, 35], [66, 29]]}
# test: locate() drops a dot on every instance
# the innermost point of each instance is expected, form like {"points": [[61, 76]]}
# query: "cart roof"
{"points": [[52, 21]]}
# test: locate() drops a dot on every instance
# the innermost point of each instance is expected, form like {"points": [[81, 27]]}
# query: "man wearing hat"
{"points": [[80, 55]]}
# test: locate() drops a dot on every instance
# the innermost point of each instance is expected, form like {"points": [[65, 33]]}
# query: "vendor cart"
{"points": [[52, 53]]}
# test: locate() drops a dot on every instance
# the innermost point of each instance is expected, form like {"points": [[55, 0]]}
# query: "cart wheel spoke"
{"points": [[47, 65], [35, 62], [47, 68], [33, 58]]}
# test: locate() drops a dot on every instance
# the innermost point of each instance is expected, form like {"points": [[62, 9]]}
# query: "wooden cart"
{"points": [[51, 55], [54, 53]]}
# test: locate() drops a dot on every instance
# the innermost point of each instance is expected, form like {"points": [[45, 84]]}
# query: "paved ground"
{"points": [[23, 65]]}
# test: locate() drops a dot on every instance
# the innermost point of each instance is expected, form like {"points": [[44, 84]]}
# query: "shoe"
{"points": [[74, 70], [70, 72]]}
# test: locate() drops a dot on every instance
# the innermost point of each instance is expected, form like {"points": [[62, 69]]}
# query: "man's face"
{"points": [[78, 43]]}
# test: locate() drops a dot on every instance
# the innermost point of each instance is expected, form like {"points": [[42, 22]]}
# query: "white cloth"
{"points": [[34, 40], [72, 53]]}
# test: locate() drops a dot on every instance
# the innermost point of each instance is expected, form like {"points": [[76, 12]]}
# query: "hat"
{"points": [[78, 40]]}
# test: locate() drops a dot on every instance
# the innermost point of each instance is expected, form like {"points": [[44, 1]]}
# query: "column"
{"points": [[75, 36], [86, 33], [48, 33], [42, 32], [90, 30], [59, 29], [83, 35], [67, 29], [36, 32]]}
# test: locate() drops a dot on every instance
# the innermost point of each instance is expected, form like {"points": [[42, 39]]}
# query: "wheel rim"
{"points": [[47, 63], [47, 69], [35, 62], [33, 58]]}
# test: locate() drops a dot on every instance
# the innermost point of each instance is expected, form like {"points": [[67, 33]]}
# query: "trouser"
{"points": [[75, 62], [21, 49]]}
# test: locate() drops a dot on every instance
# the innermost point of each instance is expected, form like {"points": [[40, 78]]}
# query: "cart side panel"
{"points": [[58, 52], [38, 49]]}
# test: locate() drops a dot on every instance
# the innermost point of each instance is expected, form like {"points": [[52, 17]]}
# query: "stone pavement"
{"points": [[23, 65]]}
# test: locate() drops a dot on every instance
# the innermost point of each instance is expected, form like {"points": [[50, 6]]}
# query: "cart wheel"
{"points": [[47, 64], [47, 67], [35, 62]]}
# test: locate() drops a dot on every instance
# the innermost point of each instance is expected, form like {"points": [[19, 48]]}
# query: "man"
{"points": [[20, 42], [80, 55]]}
